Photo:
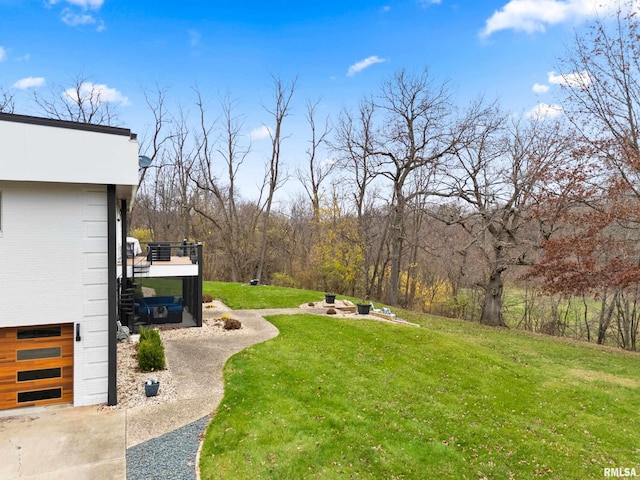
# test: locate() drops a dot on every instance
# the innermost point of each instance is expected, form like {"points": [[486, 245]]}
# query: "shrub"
{"points": [[231, 324], [150, 350], [206, 298], [150, 334], [142, 234], [280, 279]]}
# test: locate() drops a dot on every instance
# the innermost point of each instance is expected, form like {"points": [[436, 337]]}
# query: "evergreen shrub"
{"points": [[150, 350]]}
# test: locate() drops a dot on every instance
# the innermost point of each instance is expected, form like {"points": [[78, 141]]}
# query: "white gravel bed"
{"points": [[130, 380]]}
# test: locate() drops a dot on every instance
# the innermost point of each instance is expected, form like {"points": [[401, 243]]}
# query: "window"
{"points": [[42, 374], [39, 332], [39, 395], [38, 353]]}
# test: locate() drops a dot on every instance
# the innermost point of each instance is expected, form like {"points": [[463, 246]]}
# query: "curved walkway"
{"points": [[162, 440], [157, 441]]}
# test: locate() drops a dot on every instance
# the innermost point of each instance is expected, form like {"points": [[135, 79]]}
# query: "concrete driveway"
{"points": [[61, 442]]}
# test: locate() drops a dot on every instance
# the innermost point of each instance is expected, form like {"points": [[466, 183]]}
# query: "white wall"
{"points": [[40, 153], [53, 269]]}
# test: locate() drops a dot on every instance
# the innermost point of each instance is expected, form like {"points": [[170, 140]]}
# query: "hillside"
{"points": [[338, 398]]}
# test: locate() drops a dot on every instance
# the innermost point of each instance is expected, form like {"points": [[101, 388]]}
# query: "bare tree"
{"points": [[352, 144], [219, 203], [282, 93], [417, 138], [498, 172], [7, 101], [151, 143], [84, 102], [166, 191], [317, 171]]}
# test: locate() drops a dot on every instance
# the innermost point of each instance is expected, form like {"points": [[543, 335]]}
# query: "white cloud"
{"points": [[260, 133], [98, 93], [328, 162], [29, 82], [532, 16], [580, 80], [3, 54], [194, 37], [75, 19], [362, 64], [84, 4], [76, 13], [538, 88], [542, 111]]}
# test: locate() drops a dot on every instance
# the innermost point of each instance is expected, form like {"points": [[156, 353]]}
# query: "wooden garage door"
{"points": [[36, 365]]}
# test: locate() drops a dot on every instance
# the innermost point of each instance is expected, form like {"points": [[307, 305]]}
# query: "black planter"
{"points": [[330, 298], [363, 308], [151, 390]]}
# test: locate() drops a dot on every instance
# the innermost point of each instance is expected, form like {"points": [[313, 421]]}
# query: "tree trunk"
{"points": [[397, 243], [265, 240], [492, 308]]}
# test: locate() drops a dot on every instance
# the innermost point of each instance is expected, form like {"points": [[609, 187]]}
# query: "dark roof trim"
{"points": [[52, 122]]}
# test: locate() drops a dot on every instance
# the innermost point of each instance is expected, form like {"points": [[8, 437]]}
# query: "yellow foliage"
{"points": [[427, 295], [438, 293], [144, 235], [338, 254]]}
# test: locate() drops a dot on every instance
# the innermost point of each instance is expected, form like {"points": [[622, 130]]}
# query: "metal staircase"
{"points": [[126, 302]]}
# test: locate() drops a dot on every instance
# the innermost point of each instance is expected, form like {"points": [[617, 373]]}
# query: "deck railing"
{"points": [[167, 254], [163, 251], [149, 253]]}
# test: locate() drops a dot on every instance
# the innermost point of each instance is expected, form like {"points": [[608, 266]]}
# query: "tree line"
{"points": [[425, 204]]}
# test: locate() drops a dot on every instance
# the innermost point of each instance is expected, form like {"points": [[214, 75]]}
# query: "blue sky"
{"points": [[338, 50]]}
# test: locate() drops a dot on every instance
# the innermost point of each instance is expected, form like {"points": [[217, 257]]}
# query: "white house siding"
{"points": [[53, 269], [46, 153]]}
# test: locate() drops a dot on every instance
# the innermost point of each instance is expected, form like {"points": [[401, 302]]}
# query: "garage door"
{"points": [[36, 365]]}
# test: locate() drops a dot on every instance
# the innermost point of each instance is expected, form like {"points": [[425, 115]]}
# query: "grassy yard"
{"points": [[242, 296], [338, 398], [162, 286]]}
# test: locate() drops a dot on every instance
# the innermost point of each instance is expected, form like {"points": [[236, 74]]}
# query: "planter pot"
{"points": [[363, 308], [330, 298], [151, 389]]}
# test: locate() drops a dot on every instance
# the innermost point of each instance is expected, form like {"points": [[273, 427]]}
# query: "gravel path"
{"points": [[164, 432], [169, 457]]}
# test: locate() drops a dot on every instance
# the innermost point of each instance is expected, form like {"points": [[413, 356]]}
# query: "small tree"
{"points": [[338, 253], [7, 101], [84, 102]]}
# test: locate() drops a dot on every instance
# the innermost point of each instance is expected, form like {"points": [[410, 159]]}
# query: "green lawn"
{"points": [[243, 296], [338, 398], [162, 286]]}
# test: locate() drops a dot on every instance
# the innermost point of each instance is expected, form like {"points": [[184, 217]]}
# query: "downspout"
{"points": [[112, 292], [124, 284], [198, 293]]}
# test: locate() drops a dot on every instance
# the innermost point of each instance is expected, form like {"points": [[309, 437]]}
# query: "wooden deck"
{"points": [[141, 261]]}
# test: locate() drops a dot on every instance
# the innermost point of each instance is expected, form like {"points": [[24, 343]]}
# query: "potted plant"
{"points": [[151, 387], [330, 298], [363, 308]]}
